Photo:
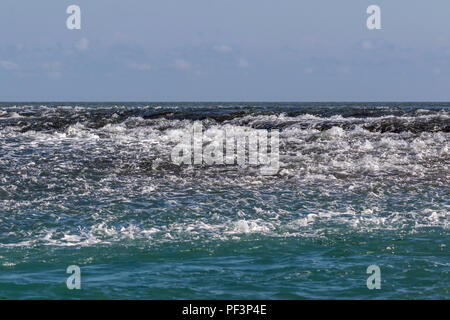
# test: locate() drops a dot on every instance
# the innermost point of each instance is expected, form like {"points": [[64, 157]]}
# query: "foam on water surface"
{"points": [[94, 184]]}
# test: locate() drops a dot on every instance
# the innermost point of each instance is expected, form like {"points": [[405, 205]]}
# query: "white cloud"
{"points": [[343, 70], [8, 65], [444, 41], [139, 67], [182, 64], [51, 65], [82, 44], [436, 71], [222, 48], [54, 74], [242, 63], [367, 45], [52, 69], [308, 70]]}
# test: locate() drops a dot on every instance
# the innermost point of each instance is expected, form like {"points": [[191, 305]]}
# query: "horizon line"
{"points": [[224, 101]]}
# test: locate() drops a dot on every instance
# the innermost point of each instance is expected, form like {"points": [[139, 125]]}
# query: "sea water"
{"points": [[94, 185]]}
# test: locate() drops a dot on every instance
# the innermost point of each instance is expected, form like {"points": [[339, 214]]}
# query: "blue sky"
{"points": [[224, 50]]}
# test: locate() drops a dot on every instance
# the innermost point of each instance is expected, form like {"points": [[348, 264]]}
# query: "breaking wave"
{"points": [[101, 173]]}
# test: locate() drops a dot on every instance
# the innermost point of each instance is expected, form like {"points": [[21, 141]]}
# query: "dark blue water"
{"points": [[93, 185]]}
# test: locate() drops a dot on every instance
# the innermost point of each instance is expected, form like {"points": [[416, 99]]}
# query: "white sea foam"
{"points": [[113, 183]]}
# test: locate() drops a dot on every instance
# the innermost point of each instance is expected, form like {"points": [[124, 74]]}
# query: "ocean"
{"points": [[93, 185]]}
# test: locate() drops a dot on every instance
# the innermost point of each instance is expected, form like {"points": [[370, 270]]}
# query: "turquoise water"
{"points": [[93, 185]]}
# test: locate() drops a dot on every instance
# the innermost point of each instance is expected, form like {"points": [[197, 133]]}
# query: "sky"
{"points": [[225, 50]]}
